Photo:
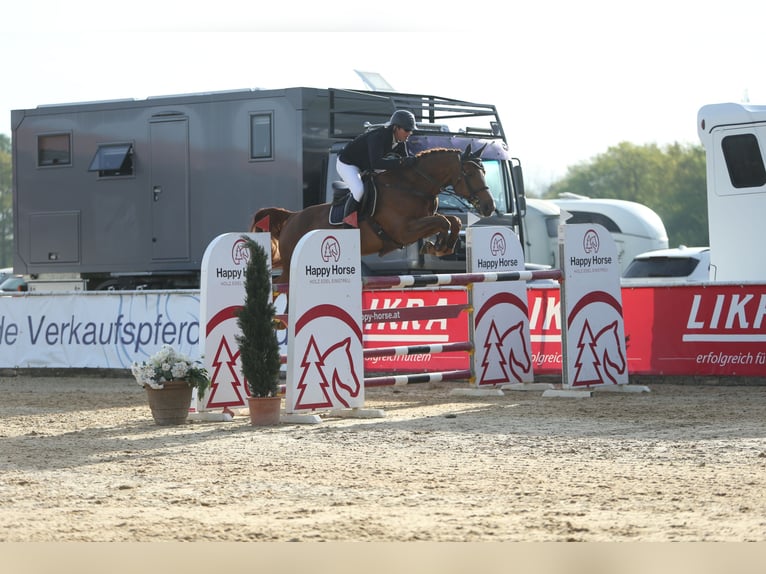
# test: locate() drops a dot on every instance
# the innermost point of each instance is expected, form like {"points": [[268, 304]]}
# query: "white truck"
{"points": [[635, 227], [734, 136]]}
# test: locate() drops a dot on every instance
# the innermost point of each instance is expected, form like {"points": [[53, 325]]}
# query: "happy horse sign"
{"points": [[593, 339], [500, 328], [325, 350], [222, 294]]}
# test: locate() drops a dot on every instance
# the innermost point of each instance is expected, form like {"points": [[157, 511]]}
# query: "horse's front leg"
{"points": [[454, 234], [446, 238], [408, 231]]}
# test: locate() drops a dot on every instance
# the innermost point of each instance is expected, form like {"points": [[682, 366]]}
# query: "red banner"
{"points": [[696, 330], [378, 331], [676, 330]]}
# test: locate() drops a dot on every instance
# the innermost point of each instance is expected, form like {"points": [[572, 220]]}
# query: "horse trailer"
{"points": [[635, 227], [127, 194], [734, 138]]}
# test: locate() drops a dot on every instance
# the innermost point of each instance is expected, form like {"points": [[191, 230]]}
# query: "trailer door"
{"points": [[169, 188]]}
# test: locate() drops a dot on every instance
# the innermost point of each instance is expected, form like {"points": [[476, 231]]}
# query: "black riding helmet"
{"points": [[404, 119]]}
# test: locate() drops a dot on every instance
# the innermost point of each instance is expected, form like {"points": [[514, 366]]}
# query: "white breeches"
{"points": [[353, 178]]}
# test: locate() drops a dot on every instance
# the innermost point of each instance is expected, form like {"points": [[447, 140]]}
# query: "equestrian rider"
{"points": [[373, 150]]}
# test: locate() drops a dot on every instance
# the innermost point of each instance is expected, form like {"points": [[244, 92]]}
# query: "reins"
{"points": [[472, 193]]}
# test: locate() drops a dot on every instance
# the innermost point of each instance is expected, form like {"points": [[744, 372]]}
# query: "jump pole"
{"points": [[499, 324], [325, 352], [330, 301], [593, 339]]}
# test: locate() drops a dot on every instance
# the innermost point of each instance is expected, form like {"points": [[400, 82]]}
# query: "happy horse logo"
{"points": [[327, 377], [497, 245], [506, 357], [599, 358], [590, 241], [326, 339], [330, 249], [598, 349], [240, 254], [501, 336]]}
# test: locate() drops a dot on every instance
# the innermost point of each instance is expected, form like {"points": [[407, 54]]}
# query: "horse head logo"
{"points": [[599, 358], [497, 245], [240, 254], [609, 350], [328, 376], [517, 351], [590, 241], [330, 249], [344, 380], [506, 357]]}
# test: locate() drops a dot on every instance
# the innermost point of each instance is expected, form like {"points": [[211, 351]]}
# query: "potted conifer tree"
{"points": [[257, 341]]}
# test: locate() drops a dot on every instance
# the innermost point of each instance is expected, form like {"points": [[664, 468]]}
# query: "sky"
{"points": [[569, 78]]}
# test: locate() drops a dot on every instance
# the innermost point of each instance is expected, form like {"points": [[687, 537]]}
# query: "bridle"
{"points": [[449, 188], [473, 192]]}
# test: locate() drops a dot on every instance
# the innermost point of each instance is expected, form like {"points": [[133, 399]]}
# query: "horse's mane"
{"points": [[426, 152]]}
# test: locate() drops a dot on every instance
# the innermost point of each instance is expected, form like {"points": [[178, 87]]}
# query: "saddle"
{"points": [[340, 193]]}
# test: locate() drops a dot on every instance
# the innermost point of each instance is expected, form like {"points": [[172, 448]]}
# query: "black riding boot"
{"points": [[351, 206]]}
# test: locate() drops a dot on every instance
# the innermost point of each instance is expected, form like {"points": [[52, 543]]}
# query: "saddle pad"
{"points": [[336, 213]]}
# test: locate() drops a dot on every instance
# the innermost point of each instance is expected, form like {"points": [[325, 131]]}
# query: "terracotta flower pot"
{"points": [[170, 406], [264, 411]]}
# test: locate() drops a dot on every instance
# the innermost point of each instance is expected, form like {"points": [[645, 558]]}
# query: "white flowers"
{"points": [[169, 365]]}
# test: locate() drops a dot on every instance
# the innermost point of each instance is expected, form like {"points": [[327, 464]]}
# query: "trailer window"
{"points": [[592, 217], [113, 160], [54, 150], [261, 136], [744, 160]]}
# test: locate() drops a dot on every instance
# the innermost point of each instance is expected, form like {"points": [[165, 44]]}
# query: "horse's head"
{"points": [[471, 184], [462, 171]]}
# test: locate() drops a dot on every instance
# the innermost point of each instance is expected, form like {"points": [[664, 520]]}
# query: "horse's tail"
{"points": [[271, 219]]}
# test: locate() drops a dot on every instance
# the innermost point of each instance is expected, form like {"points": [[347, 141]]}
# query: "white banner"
{"points": [[96, 329]]}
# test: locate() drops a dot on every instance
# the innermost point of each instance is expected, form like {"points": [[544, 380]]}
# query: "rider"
{"points": [[371, 151]]}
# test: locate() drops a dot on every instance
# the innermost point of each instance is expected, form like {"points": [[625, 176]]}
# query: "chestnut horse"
{"points": [[405, 210]]}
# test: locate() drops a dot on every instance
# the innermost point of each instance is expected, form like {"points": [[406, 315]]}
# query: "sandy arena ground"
{"points": [[82, 460]]}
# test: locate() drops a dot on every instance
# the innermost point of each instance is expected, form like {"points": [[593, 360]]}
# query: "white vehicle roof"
{"points": [[713, 116], [544, 206], [632, 218], [653, 266], [682, 251]]}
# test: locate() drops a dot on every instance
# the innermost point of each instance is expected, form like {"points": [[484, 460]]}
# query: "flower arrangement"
{"points": [[166, 365]]}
